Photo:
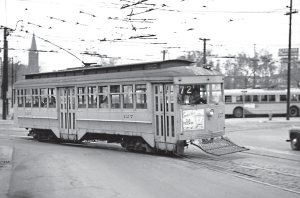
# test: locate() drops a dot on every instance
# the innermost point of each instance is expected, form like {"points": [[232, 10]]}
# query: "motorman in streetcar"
{"points": [[196, 98]]}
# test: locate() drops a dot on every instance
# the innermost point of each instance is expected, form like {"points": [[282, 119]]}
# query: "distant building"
{"points": [[33, 59]]}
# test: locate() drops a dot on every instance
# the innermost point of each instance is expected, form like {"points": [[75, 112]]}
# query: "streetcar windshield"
{"points": [[200, 94]]}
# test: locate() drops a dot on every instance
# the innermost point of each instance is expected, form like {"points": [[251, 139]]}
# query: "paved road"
{"points": [[53, 170]]}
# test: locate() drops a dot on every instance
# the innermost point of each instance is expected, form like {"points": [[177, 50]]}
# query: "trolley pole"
{"points": [[4, 76], [12, 80], [204, 49], [244, 93], [289, 62]]}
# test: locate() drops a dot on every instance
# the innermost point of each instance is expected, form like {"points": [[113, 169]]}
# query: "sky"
{"points": [[69, 32]]}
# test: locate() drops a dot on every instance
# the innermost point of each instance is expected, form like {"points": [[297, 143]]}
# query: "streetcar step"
{"points": [[218, 146]]}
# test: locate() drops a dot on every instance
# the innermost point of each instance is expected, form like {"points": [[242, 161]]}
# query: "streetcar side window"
{"points": [[52, 98], [81, 97], [28, 99], [35, 98], [103, 97], [92, 97], [115, 96], [20, 98], [141, 96], [127, 91], [43, 98]]}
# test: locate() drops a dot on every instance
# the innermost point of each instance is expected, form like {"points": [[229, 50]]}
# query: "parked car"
{"points": [[294, 138]]}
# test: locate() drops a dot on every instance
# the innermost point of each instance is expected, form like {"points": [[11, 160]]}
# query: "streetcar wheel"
{"points": [[294, 144], [294, 111], [238, 112]]}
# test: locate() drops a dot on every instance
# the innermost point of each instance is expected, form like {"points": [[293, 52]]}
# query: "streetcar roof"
{"points": [[166, 74], [97, 69]]}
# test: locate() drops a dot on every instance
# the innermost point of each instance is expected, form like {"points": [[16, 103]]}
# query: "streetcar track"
{"points": [[219, 159], [237, 173], [271, 156]]}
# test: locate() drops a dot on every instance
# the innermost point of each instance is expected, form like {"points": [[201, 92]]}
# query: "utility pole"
{"points": [[204, 49], [12, 81], [289, 62], [4, 76], [164, 54], [254, 66]]}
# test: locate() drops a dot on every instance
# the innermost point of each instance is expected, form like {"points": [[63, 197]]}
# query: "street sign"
{"points": [[285, 52]]}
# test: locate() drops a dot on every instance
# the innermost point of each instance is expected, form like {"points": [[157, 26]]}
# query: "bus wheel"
{"points": [[294, 111], [294, 144], [238, 112]]}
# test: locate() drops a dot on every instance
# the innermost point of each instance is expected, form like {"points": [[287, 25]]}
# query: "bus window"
{"points": [[215, 93], [255, 98], [141, 96], [239, 98], [228, 98], [294, 97], [264, 98], [272, 98], [247, 98], [282, 98]]}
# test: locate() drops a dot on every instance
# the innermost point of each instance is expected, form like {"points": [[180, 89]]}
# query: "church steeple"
{"points": [[33, 44], [33, 61]]}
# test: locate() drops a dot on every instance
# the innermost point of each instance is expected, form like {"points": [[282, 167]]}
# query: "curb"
{"points": [[6, 153], [259, 125]]}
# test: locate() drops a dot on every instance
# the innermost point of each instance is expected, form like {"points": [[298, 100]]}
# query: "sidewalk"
{"points": [[6, 153], [237, 124]]}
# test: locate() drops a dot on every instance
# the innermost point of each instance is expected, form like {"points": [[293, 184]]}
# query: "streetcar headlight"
{"points": [[209, 112]]}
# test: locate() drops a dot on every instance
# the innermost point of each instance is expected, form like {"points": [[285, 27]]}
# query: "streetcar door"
{"points": [[67, 113], [164, 112]]}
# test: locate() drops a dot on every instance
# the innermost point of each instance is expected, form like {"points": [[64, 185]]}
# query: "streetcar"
{"points": [[240, 102], [147, 107]]}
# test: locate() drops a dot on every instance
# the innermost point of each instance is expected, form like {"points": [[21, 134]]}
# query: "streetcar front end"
{"points": [[201, 106]]}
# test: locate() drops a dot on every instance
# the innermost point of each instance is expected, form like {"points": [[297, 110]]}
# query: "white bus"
{"points": [[259, 101]]}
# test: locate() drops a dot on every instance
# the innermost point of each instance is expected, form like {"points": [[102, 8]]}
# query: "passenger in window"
{"points": [[103, 103], [195, 98]]}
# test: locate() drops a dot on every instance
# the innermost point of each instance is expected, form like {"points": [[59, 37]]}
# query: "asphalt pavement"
{"points": [[232, 124], [240, 124]]}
